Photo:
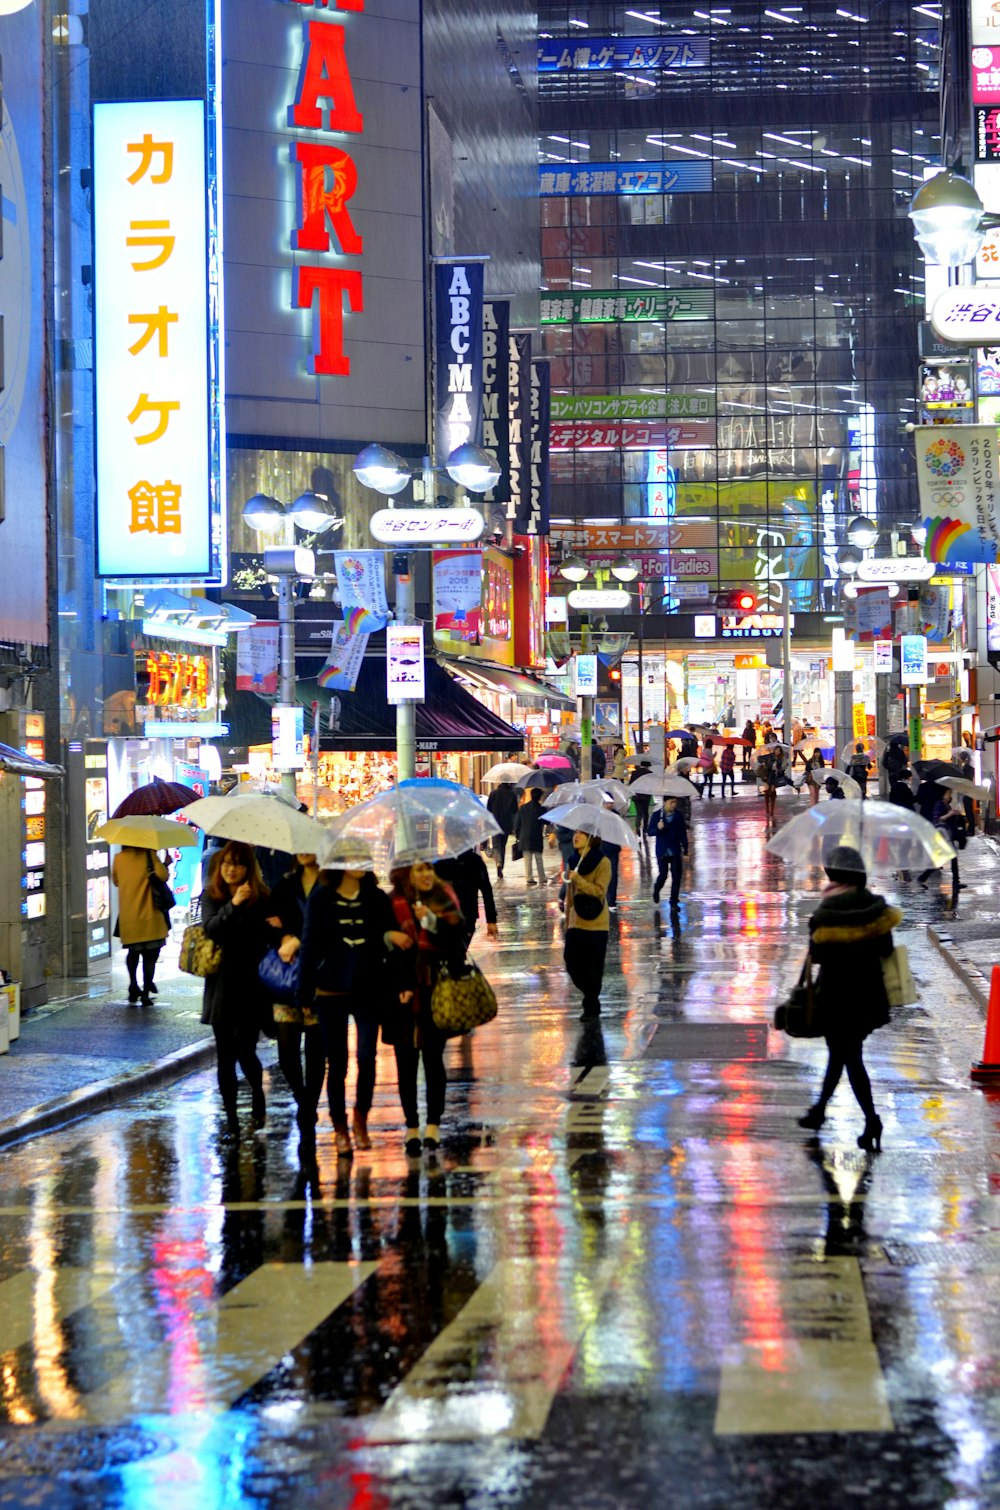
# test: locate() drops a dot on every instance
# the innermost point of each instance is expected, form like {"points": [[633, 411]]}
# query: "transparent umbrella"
{"points": [[588, 818], [870, 746], [847, 784], [888, 837], [264, 821], [663, 786], [603, 790], [418, 820], [506, 770], [966, 788]]}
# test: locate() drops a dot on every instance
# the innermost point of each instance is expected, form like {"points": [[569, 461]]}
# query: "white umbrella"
{"points": [[603, 789], [506, 770], [966, 788], [684, 764], [888, 837], [265, 821], [266, 789], [870, 746], [847, 784], [588, 818], [417, 820], [636, 760], [663, 786]]}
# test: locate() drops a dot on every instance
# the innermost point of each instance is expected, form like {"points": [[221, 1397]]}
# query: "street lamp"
{"points": [[848, 560], [574, 569], [381, 469], [625, 569], [473, 468], [862, 532], [316, 513], [949, 220], [263, 513], [289, 564]]}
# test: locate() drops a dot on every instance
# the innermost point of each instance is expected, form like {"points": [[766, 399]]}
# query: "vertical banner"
{"points": [[404, 663], [343, 664], [958, 478], [882, 657], [458, 598], [458, 353], [538, 471], [257, 657], [361, 586], [912, 660], [496, 398], [993, 615], [519, 401], [531, 573]]}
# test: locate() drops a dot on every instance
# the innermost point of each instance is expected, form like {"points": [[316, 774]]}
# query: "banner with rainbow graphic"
{"points": [[347, 651], [958, 478]]}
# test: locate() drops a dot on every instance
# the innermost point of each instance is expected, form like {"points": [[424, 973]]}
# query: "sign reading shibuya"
{"points": [[627, 178], [609, 305], [896, 569], [152, 340], [573, 55], [633, 405], [425, 526], [967, 317]]}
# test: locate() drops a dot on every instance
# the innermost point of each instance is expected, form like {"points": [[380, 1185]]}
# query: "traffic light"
{"points": [[737, 600], [614, 675]]}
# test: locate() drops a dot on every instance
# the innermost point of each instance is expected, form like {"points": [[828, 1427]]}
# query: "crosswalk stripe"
{"points": [[591, 1083], [820, 1373], [511, 1345], [231, 1344], [58, 1293]]}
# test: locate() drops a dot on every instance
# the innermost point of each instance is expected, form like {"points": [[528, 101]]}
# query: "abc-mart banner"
{"points": [[958, 478]]}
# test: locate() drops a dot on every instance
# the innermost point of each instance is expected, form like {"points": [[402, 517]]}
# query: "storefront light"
{"points": [[862, 532]]}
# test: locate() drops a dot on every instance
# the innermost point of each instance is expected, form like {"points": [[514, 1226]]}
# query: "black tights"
{"points": [[149, 958], [237, 1046], [847, 1054], [305, 1089], [435, 1074]]}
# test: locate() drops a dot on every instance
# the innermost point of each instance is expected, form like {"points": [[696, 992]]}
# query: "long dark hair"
{"points": [[240, 854], [440, 898]]}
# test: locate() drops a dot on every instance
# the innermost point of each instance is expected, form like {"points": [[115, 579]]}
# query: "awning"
{"points": [[449, 720], [20, 764], [528, 690]]}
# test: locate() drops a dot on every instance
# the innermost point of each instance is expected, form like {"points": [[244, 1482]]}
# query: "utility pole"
{"points": [[586, 711]]}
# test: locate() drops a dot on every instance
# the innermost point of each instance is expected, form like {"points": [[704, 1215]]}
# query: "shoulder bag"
{"points": [[798, 1015], [586, 906], [900, 988], [462, 998], [163, 897], [199, 954], [279, 978]]}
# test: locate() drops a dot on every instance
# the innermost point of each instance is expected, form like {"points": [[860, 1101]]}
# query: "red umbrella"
{"points": [[156, 799], [727, 739], [554, 762]]}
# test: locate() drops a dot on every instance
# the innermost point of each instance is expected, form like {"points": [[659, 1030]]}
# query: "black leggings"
{"points": [[407, 1061], [149, 958], [237, 1046], [308, 1089], [583, 954], [333, 1013], [847, 1054]]}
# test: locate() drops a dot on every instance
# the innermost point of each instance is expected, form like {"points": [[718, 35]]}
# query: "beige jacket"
{"points": [[594, 883], [139, 922]]}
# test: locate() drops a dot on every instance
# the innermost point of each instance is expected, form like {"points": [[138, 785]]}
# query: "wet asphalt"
{"points": [[629, 1278]]}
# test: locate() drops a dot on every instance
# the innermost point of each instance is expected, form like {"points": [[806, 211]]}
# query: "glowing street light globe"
{"points": [[381, 469], [574, 570], [316, 513], [473, 468], [263, 513], [848, 560], [625, 569], [862, 532], [948, 219]]}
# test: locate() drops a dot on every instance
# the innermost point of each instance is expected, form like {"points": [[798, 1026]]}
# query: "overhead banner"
{"points": [[519, 408], [608, 306], [151, 354], [343, 664], [361, 585], [958, 478], [626, 178], [612, 54], [496, 399], [912, 660], [257, 658], [686, 404], [458, 598], [458, 367], [534, 519], [638, 435], [404, 663]]}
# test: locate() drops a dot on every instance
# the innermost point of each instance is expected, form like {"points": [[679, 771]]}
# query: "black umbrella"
{"points": [[937, 770], [898, 739], [544, 780]]}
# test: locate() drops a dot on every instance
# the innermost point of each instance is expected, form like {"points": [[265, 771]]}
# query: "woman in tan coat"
{"points": [[141, 925], [587, 921]]}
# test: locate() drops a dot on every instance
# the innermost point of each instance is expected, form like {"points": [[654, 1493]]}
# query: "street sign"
{"points": [[882, 657], [913, 660], [426, 526], [598, 597], [962, 317], [896, 569], [586, 675]]}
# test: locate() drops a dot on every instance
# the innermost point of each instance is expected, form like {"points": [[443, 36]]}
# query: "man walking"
{"points": [[669, 832]]}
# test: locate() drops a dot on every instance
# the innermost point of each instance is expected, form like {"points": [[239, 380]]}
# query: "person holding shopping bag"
{"points": [[587, 921]]}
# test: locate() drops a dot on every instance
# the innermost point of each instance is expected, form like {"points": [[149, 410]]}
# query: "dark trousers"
{"points": [[237, 1046], [845, 1053], [334, 1013], [307, 1088], [674, 866], [407, 1062], [149, 958], [731, 778], [641, 813], [500, 849], [584, 954]]}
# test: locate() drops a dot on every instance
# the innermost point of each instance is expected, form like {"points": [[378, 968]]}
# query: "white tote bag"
{"points": [[899, 984]]}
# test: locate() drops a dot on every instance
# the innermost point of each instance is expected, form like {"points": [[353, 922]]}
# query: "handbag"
{"points": [[280, 977], [516, 851], [199, 954], [163, 897], [587, 907], [462, 998], [798, 1014], [900, 988]]}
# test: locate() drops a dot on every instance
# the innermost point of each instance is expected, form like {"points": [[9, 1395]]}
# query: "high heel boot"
{"points": [[871, 1139], [814, 1118]]}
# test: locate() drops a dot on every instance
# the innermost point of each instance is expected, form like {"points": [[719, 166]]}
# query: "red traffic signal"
{"points": [[737, 600]]}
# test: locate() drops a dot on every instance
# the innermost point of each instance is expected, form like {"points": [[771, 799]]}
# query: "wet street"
{"points": [[629, 1279]]}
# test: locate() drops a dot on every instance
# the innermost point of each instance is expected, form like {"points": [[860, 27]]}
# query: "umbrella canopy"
{"points": [[147, 832], [663, 786], [888, 837], [266, 789], [20, 764], [590, 819], [966, 788], [505, 770], [729, 739], [604, 790], [542, 781], [898, 739], [937, 770], [675, 734], [685, 763], [416, 820], [870, 746], [555, 762], [265, 821], [637, 760], [156, 798], [847, 784]]}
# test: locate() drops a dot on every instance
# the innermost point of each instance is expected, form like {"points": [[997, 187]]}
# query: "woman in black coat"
{"points": [[234, 912], [293, 1024], [850, 934], [530, 835]]}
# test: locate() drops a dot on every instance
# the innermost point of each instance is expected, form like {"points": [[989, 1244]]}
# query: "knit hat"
{"points": [[845, 865]]}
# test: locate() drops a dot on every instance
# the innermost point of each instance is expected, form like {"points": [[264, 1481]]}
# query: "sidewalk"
{"points": [[87, 1049]]}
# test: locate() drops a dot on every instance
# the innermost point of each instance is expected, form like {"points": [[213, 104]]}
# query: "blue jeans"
{"points": [[333, 1013]]}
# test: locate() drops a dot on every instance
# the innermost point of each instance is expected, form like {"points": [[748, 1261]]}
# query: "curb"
{"points": [[972, 978], [103, 1095]]}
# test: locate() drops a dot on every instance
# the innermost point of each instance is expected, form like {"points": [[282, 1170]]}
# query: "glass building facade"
{"points": [[731, 288]]}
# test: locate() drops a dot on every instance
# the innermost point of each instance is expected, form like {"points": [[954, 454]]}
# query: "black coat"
{"points": [[529, 830], [288, 902], [849, 936], [235, 995], [468, 878], [502, 803], [326, 963]]}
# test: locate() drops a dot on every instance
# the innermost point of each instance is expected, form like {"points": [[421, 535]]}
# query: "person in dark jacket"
{"points": [[926, 799], [669, 833], [598, 761], [850, 934], [349, 930], [612, 853], [859, 767], [900, 795], [234, 913], [895, 761], [531, 835], [641, 799], [750, 735], [834, 790], [502, 803], [297, 1024], [469, 879]]}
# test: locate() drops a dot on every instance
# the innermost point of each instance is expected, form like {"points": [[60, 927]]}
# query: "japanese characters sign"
{"points": [[151, 365], [958, 480], [967, 316], [912, 660], [984, 23], [458, 367], [633, 436], [458, 598], [626, 178], [609, 305], [986, 133], [986, 75], [616, 406], [168, 679], [257, 658], [425, 526], [612, 54]]}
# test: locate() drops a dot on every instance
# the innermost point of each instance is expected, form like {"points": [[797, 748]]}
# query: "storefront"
{"points": [[26, 811], [545, 715]]}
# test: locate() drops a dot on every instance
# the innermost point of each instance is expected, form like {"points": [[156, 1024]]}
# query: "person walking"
{"points": [[641, 799], [895, 761], [427, 913], [530, 835], [349, 929], [727, 765], [750, 735], [767, 785], [969, 774], [587, 921], [469, 880], [850, 934], [618, 758], [612, 853], [859, 767], [142, 927], [502, 803], [951, 823], [670, 837], [234, 913], [707, 765], [298, 1024], [814, 763], [833, 789]]}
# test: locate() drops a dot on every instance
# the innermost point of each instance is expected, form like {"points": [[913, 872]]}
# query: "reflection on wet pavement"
{"points": [[628, 1279]]}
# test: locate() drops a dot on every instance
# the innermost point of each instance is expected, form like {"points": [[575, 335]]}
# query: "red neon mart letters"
{"points": [[330, 284], [325, 76]]}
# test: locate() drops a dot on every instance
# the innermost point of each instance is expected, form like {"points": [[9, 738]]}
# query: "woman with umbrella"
{"points": [[294, 1023], [813, 763], [141, 924], [587, 920], [850, 934], [502, 803]]}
